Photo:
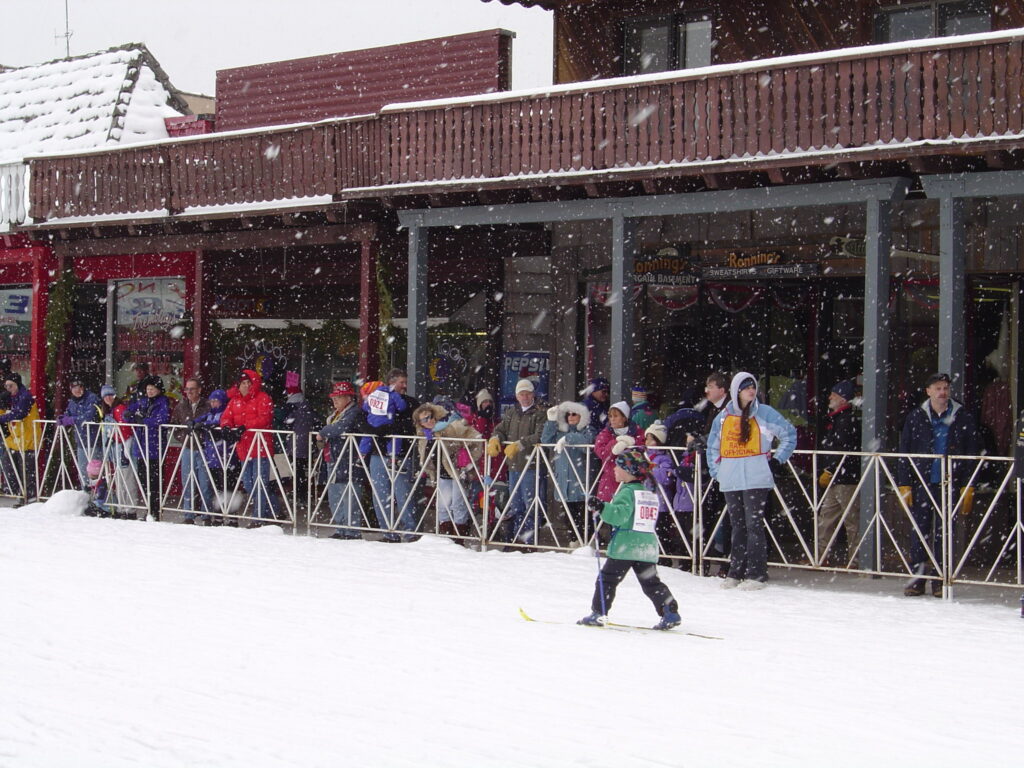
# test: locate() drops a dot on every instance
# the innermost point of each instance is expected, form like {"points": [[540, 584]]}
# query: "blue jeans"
{"points": [[343, 499], [381, 480], [520, 501], [257, 472], [195, 480], [930, 523], [748, 558]]}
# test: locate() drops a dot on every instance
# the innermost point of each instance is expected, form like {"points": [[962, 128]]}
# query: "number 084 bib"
{"points": [[645, 511]]}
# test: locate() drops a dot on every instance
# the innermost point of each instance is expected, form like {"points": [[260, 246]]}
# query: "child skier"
{"points": [[633, 515]]}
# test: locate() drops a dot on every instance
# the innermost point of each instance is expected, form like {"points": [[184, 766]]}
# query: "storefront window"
{"points": [[149, 326], [15, 327]]}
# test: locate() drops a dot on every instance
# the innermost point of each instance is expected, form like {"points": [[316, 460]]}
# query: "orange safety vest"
{"points": [[732, 446]]}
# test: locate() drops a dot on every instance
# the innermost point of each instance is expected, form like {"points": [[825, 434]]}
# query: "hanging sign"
{"points": [[766, 264], [665, 265]]}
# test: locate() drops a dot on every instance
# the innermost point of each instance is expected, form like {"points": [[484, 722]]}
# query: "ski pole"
{"points": [[595, 506]]}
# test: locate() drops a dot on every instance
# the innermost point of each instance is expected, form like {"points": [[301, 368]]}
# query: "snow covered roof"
{"points": [[117, 96]]}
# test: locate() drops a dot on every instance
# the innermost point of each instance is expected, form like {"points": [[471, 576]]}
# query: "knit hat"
{"points": [[634, 462], [153, 381], [622, 407], [369, 387], [483, 396], [640, 388], [524, 385], [747, 382], [659, 431], [107, 391], [844, 389], [343, 388], [12, 376], [220, 396]]}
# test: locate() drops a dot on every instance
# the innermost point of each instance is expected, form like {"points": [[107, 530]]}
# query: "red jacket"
{"points": [[254, 411]]}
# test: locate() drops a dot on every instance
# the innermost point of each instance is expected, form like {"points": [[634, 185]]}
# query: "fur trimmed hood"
{"points": [[564, 409]]}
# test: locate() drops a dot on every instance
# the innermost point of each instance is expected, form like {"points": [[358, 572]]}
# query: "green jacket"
{"points": [[633, 539]]}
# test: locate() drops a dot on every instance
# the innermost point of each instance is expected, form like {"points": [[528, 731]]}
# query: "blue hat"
{"points": [[844, 389], [106, 391]]}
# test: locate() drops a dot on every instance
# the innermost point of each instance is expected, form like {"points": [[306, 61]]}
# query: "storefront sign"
{"points": [[667, 265], [155, 304], [761, 271], [15, 308], [519, 365]]}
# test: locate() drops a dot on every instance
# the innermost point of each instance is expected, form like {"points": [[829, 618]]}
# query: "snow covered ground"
{"points": [[135, 644]]}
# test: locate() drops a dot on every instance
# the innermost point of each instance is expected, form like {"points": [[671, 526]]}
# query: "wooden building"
{"points": [[810, 191]]}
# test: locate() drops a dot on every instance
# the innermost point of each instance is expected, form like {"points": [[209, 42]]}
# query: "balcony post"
{"points": [[623, 332], [369, 309], [878, 247], [416, 361], [951, 291]]}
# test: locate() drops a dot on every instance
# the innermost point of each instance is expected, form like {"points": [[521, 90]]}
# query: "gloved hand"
{"points": [[66, 421], [967, 500], [594, 505], [493, 447], [512, 449], [775, 466], [553, 413], [824, 479], [622, 442], [906, 494], [560, 445]]}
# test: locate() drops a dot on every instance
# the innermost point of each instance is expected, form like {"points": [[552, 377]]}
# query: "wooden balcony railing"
{"points": [[867, 102]]}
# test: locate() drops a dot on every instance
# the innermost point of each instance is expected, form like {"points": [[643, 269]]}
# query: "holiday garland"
{"points": [[59, 310]]}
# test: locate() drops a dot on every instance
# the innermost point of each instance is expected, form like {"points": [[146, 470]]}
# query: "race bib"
{"points": [[378, 402], [645, 511]]}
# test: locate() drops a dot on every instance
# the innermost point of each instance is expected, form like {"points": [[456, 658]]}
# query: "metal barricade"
{"points": [[194, 480], [984, 543], [18, 467], [120, 484], [338, 490], [264, 491]]}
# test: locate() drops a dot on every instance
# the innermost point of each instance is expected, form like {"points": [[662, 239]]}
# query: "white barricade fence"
{"points": [[264, 490], [338, 496], [985, 532], [67, 451], [196, 461], [119, 478], [19, 459]]}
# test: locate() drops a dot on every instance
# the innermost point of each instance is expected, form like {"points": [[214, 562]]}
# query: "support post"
{"points": [[369, 310], [623, 332], [42, 263], [952, 255], [878, 247], [416, 364], [199, 319]]}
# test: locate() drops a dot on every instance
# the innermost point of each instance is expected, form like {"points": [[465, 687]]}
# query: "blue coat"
{"points": [[83, 410], [743, 474], [570, 463], [384, 410], [151, 411]]}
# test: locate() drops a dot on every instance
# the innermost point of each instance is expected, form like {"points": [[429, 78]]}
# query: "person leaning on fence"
{"points": [[18, 456], [633, 516], [619, 434], [568, 429], [196, 491], [519, 432], [152, 411], [298, 418], [250, 408], [388, 410], [596, 400], [741, 460], [940, 425], [218, 452], [79, 412], [127, 489], [840, 475], [453, 482], [716, 398], [340, 470]]}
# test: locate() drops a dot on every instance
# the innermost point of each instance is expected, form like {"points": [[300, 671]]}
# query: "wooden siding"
{"points": [[847, 106], [361, 82]]}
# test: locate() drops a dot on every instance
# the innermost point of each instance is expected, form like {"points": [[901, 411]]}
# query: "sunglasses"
{"points": [[427, 419]]}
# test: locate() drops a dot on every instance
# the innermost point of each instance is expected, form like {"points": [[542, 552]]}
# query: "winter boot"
{"points": [[593, 619], [446, 528], [669, 619]]}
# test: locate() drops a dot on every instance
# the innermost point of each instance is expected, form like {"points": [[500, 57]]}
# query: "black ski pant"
{"points": [[748, 558], [615, 571]]}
